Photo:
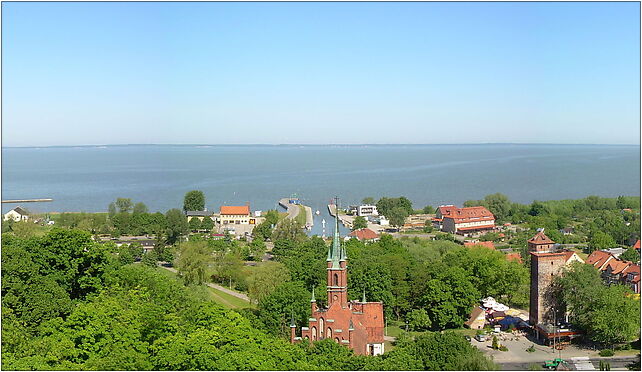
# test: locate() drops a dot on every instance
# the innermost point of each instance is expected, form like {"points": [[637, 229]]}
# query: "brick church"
{"points": [[356, 324]]}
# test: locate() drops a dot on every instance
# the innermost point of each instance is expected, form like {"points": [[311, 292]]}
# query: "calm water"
{"points": [[89, 178]]}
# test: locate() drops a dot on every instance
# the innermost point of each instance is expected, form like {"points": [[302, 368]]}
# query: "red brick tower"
{"points": [[545, 265]]}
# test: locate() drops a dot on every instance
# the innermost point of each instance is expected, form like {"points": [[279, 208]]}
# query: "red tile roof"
{"points": [[598, 259], [364, 234], [471, 214], [540, 238], [235, 210], [447, 210], [632, 269], [618, 266], [637, 245], [483, 244], [514, 257]]}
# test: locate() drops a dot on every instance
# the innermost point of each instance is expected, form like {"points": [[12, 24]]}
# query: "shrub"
{"points": [[531, 349], [503, 348], [606, 353]]}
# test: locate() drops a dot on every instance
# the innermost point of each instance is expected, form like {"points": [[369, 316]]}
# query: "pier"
{"points": [[27, 200], [294, 209]]}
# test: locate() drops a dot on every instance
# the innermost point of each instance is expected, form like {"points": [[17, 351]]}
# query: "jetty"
{"points": [[345, 220], [293, 208], [27, 200]]}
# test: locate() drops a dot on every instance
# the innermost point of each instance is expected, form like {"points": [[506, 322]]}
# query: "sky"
{"points": [[320, 73]]}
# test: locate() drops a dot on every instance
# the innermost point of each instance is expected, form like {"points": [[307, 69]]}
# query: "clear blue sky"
{"points": [[314, 73]]}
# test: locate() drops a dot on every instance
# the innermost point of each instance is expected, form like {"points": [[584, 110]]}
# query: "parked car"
{"points": [[480, 338]]}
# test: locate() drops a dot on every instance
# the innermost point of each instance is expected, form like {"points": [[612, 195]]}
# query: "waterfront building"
{"points": [[367, 210], [355, 324], [236, 215], [17, 214], [546, 263], [466, 221]]}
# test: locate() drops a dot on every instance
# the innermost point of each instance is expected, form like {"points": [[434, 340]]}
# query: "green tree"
{"points": [[418, 320], [359, 223], [538, 209], [140, 208], [499, 205], [265, 278], [194, 261], [176, 225], [194, 201], [288, 229], [24, 229], [262, 230], [397, 216], [368, 201], [449, 298], [429, 209], [630, 255], [286, 300], [111, 210], [194, 224], [601, 240], [207, 224], [124, 205]]}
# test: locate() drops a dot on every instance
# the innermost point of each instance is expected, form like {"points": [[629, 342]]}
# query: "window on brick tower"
{"points": [[329, 334], [336, 279]]}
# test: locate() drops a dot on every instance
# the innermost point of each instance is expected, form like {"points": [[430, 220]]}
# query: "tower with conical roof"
{"points": [[337, 267]]}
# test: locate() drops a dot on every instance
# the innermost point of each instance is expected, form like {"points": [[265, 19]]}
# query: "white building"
{"points": [[367, 210], [17, 214]]}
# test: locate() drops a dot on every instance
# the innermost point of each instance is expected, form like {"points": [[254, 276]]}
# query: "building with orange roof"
{"points": [[637, 245], [483, 244], [599, 259], [235, 215], [465, 221], [364, 235], [355, 324]]}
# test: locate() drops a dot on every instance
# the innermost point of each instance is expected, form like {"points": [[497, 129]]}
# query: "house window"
{"points": [[336, 280]]}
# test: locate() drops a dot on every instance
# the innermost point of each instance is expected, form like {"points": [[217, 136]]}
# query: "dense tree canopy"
{"points": [[194, 201], [608, 314]]}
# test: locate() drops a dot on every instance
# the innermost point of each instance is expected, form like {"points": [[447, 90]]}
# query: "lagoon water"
{"points": [[89, 178]]}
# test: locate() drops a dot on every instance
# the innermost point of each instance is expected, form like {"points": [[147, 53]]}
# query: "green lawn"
{"points": [[222, 298], [228, 300], [300, 218]]}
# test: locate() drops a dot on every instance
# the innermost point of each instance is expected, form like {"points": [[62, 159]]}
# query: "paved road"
{"points": [[216, 286], [293, 209], [579, 363]]}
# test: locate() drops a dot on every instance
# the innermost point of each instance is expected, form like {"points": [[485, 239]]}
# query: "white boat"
{"points": [[317, 212]]}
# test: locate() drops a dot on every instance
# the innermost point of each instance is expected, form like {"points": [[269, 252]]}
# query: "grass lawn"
{"points": [[229, 301], [300, 218], [220, 297]]}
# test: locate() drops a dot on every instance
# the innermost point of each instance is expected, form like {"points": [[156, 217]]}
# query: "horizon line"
{"points": [[325, 144]]}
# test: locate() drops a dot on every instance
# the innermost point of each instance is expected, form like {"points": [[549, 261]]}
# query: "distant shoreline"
{"points": [[205, 145]]}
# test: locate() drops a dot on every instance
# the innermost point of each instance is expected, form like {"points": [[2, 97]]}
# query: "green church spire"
{"points": [[313, 299], [336, 253]]}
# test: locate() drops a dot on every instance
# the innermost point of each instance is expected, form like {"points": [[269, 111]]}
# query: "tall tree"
{"points": [[194, 201], [194, 262], [368, 201], [176, 225], [140, 208], [124, 205], [359, 223]]}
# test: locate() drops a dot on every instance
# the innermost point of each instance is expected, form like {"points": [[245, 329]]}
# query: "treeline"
{"points": [[68, 303], [435, 283], [598, 222]]}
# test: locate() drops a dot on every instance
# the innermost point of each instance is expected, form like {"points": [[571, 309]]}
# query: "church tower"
{"points": [[337, 267]]}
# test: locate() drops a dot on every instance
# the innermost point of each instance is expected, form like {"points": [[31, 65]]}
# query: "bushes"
{"points": [[607, 353]]}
